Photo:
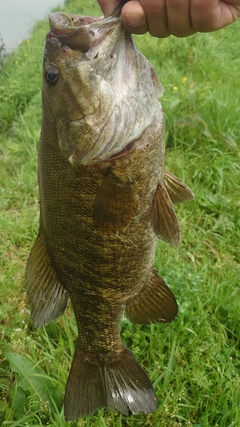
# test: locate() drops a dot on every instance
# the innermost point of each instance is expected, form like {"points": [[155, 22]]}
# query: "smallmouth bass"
{"points": [[104, 200]]}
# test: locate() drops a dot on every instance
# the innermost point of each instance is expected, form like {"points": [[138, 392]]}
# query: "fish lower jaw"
{"points": [[79, 33]]}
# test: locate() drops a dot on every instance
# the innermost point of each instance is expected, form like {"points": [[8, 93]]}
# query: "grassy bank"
{"points": [[194, 362]]}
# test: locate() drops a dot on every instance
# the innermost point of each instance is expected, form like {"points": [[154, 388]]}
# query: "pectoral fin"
{"points": [[114, 205], [177, 190], [46, 296], [155, 303], [163, 217]]}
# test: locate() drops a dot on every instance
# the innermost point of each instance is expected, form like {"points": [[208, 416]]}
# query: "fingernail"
{"points": [[134, 19]]}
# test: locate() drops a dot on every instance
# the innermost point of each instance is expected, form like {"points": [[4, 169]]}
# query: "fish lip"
{"points": [[70, 31], [65, 22], [77, 40], [81, 36], [56, 38], [52, 37]]}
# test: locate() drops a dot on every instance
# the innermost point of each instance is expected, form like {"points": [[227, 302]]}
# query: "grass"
{"points": [[194, 362]]}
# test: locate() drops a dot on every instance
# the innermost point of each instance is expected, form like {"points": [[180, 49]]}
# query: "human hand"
{"points": [[178, 17]]}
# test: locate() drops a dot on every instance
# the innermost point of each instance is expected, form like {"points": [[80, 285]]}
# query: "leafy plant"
{"points": [[34, 389]]}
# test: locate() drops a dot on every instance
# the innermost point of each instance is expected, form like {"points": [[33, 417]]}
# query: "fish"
{"points": [[105, 199]]}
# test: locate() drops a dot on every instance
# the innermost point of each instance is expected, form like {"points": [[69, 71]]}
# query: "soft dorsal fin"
{"points": [[163, 217], [155, 302], [46, 296], [177, 190]]}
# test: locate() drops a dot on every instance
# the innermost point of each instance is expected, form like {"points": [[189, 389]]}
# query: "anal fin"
{"points": [[46, 296], [154, 304], [163, 217], [177, 190]]}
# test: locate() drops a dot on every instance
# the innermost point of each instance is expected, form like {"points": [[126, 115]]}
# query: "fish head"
{"points": [[101, 92]]}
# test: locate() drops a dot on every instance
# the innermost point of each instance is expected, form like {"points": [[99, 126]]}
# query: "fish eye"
{"points": [[51, 75]]}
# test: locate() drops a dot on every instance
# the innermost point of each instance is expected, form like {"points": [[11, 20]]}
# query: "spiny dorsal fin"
{"points": [[155, 303], [46, 296], [114, 206], [163, 217], [177, 190]]}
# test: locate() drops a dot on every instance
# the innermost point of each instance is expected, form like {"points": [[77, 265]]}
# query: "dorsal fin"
{"points": [[177, 190], [163, 217]]}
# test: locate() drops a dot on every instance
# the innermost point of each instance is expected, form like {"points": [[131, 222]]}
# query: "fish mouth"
{"points": [[118, 89], [79, 33]]}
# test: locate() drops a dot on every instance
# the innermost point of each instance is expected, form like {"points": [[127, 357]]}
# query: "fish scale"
{"points": [[102, 207]]}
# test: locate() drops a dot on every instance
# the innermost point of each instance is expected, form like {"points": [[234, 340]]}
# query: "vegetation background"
{"points": [[194, 362]]}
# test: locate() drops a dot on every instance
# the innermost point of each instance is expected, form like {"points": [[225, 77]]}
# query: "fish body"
{"points": [[103, 203]]}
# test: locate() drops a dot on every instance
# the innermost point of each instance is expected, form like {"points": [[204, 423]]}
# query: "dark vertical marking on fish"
{"points": [[114, 206]]}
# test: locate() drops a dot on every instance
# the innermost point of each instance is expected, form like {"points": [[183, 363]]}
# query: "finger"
{"points": [[156, 14], [134, 18], [178, 18], [108, 6], [211, 16], [161, 18]]}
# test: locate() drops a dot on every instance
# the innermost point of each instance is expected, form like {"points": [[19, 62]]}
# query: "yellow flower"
{"points": [[175, 88], [25, 54], [16, 62], [183, 80]]}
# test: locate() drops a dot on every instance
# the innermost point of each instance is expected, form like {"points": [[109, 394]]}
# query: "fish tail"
{"points": [[115, 382]]}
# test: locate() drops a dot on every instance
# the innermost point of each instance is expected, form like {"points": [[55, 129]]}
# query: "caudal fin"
{"points": [[117, 382]]}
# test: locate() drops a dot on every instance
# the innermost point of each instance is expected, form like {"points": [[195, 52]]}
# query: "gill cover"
{"points": [[113, 88]]}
